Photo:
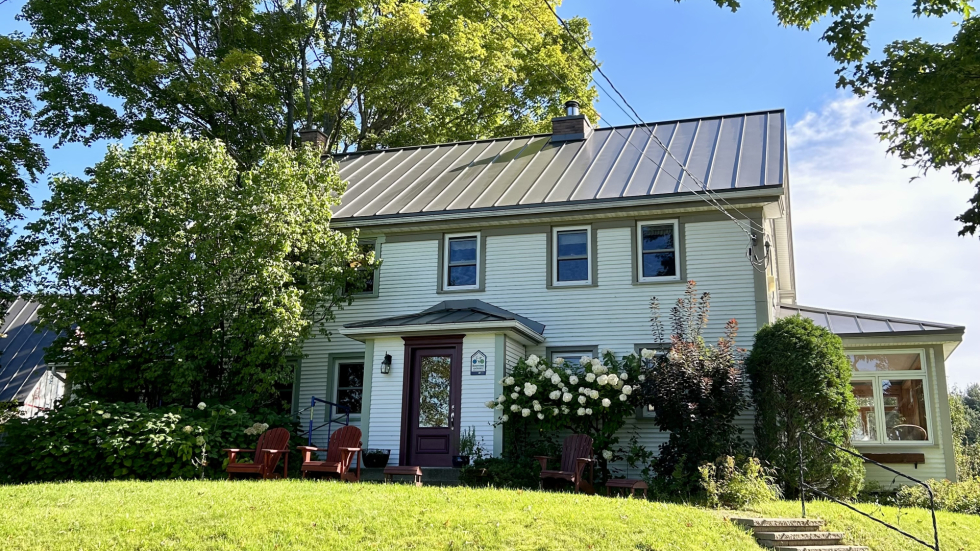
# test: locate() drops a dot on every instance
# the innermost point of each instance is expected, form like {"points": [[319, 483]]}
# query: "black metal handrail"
{"points": [[804, 487], [340, 409]]}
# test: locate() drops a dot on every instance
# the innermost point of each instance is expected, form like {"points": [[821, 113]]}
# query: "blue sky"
{"points": [[866, 239]]}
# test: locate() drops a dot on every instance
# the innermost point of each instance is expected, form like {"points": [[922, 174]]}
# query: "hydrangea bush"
{"points": [[594, 397], [100, 441]]}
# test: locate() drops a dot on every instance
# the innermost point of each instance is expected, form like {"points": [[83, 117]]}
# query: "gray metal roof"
{"points": [[452, 311], [726, 153], [21, 351], [850, 323]]}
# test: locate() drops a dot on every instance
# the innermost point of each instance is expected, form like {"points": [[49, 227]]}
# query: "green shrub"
{"points": [[955, 497], [800, 381], [499, 472], [97, 441], [732, 487]]}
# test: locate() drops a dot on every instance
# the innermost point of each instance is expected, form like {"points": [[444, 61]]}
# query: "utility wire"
{"points": [[637, 119]]}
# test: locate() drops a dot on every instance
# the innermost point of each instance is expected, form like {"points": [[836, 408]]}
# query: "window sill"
{"points": [[892, 445], [571, 285], [464, 290], [656, 281]]}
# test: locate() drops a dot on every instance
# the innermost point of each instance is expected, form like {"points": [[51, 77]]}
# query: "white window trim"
{"points": [[336, 383], [639, 251], [875, 378], [554, 256], [445, 267]]}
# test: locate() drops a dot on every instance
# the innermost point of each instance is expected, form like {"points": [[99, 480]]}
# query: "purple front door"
{"points": [[432, 407]]}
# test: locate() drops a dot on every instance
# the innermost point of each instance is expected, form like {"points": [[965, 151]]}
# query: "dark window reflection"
{"points": [[434, 385], [350, 385], [659, 265], [573, 255], [461, 264], [659, 256]]}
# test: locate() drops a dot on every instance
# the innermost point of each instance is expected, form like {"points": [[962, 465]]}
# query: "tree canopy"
{"points": [[174, 276], [368, 73], [927, 92]]}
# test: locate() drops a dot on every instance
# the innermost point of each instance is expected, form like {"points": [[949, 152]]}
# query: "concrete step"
{"points": [[431, 476], [822, 548], [779, 524], [804, 539]]}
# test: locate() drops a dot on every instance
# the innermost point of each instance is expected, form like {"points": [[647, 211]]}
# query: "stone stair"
{"points": [[795, 534]]}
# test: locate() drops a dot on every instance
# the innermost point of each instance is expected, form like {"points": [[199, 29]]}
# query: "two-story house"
{"points": [[554, 244]]}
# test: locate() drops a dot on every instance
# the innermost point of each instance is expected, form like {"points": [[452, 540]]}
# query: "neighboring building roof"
{"points": [[852, 324], [21, 351], [730, 152]]}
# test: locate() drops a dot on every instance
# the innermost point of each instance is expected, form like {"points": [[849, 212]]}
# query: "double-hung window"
{"points": [[657, 251], [350, 385], [572, 358], [892, 397], [462, 257], [572, 256]]}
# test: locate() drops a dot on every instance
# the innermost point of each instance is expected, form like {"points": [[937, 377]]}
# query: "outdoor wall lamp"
{"points": [[386, 364]]}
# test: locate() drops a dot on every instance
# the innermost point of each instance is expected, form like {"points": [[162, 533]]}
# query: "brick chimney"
{"points": [[573, 126], [319, 139]]}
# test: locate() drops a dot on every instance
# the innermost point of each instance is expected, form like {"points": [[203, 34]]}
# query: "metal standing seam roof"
{"points": [[729, 152], [850, 323], [452, 311], [21, 351]]}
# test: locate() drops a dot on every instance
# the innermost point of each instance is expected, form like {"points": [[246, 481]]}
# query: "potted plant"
{"points": [[468, 447], [376, 458]]}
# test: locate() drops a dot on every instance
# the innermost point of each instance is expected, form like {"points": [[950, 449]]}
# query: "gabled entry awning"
{"points": [[450, 316]]}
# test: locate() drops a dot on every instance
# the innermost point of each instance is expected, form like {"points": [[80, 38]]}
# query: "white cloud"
{"points": [[869, 240]]}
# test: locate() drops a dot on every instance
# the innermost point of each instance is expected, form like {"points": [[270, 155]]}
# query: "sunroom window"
{"points": [[657, 255], [891, 393], [573, 251], [462, 258]]}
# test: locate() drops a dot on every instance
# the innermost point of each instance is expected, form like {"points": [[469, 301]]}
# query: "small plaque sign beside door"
{"points": [[478, 363]]}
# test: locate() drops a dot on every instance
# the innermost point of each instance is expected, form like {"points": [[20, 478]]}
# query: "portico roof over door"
{"points": [[450, 316]]}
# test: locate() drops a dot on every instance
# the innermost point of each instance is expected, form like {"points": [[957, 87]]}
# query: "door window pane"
{"points": [[865, 429], [573, 255], [886, 362], [350, 385], [461, 262], [434, 385], [905, 409]]}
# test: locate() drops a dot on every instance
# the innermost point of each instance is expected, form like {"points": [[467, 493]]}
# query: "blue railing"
{"points": [[336, 413]]}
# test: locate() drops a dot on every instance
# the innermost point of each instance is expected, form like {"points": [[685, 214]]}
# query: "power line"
{"points": [[637, 119]]}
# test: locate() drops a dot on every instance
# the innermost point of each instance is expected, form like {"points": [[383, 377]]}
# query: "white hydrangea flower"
{"points": [[642, 378], [231, 412], [590, 377], [555, 411], [612, 379], [525, 412], [555, 394], [624, 376], [588, 411], [594, 394], [504, 418], [537, 407], [509, 381], [647, 354], [627, 390], [532, 369], [606, 403], [501, 399], [582, 390], [514, 395], [202, 406], [559, 361], [581, 399], [622, 397], [601, 380], [106, 416], [556, 379], [517, 388], [491, 404], [188, 429], [530, 389], [607, 454], [584, 361], [548, 373], [596, 363], [566, 397], [540, 416], [565, 410], [515, 407], [200, 440], [499, 407], [564, 388], [573, 380], [581, 411], [532, 360]]}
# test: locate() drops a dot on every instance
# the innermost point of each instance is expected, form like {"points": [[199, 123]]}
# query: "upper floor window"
{"points": [[573, 256], [657, 254], [366, 286], [891, 393], [462, 262]]}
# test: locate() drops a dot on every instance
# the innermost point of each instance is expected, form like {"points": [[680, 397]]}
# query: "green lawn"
{"points": [[328, 515]]}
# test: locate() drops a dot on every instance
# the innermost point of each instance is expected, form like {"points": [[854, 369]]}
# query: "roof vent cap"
{"points": [[571, 108]]}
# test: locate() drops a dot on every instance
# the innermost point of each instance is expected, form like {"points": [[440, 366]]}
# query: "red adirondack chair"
{"points": [[576, 453], [345, 443], [272, 445]]}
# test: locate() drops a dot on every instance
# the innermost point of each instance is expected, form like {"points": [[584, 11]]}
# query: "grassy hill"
{"points": [[293, 514]]}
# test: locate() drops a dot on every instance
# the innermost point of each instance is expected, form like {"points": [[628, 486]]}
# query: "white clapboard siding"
{"points": [[614, 314], [478, 389]]}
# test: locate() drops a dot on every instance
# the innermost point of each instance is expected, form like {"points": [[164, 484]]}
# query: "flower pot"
{"points": [[460, 461], [376, 459]]}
